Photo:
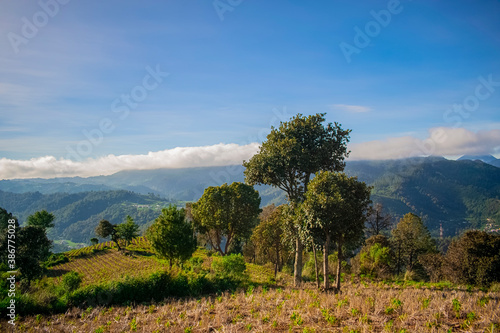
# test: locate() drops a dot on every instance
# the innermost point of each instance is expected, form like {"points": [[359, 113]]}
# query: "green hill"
{"points": [[77, 214], [455, 194]]}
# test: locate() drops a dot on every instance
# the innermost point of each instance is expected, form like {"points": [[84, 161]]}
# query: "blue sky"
{"points": [[234, 69]]}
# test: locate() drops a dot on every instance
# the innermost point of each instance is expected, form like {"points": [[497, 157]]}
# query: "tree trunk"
{"points": [[297, 274], [277, 261], [339, 264], [316, 266], [325, 263]]}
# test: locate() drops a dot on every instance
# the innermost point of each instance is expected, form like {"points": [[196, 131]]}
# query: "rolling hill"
{"points": [[455, 194]]}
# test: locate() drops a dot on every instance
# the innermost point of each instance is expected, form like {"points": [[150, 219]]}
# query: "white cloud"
{"points": [[441, 141], [181, 157], [351, 108]]}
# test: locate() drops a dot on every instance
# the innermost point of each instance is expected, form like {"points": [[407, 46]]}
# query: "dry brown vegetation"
{"points": [[364, 307]]}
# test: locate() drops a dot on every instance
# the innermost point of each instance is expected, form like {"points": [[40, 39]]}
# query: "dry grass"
{"points": [[359, 308]]}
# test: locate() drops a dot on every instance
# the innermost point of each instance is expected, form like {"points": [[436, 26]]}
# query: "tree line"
{"points": [[328, 219]]}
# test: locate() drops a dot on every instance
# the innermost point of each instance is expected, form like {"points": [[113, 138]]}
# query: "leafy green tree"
{"points": [[106, 229], [4, 220], [473, 259], [171, 236], [32, 248], [336, 207], [411, 239], [42, 219], [127, 230], [268, 237], [289, 157], [226, 212], [94, 241]]}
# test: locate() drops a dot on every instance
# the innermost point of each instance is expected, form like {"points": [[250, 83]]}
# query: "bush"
{"points": [[56, 259], [473, 259], [230, 267], [71, 281]]}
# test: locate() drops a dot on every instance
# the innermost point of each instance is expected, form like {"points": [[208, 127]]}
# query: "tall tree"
{"points": [[42, 219], [33, 247], [336, 206], [128, 230], [289, 157], [377, 221], [4, 220], [226, 212], [171, 236], [106, 229], [411, 238], [267, 236]]}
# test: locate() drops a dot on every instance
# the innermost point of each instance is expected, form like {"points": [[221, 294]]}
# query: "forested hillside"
{"points": [[77, 214], [457, 194]]}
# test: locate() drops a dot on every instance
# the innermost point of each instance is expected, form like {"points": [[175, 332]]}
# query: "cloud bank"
{"points": [[181, 157], [441, 141]]}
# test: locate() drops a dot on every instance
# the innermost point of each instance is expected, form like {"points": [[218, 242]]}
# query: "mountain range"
{"points": [[453, 194]]}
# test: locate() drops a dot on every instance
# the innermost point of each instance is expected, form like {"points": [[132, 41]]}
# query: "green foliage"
{"points": [[71, 281], [295, 151], [473, 259], [4, 220], [226, 212], [289, 157], [230, 267], [335, 208], [127, 230], [376, 259], [411, 239], [106, 229], [56, 259], [267, 238], [33, 248], [42, 219], [171, 237]]}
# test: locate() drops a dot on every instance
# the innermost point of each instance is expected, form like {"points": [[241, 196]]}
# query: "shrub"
{"points": [[71, 281], [473, 259], [230, 267], [56, 259]]}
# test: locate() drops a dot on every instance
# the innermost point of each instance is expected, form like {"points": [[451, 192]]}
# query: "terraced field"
{"points": [[103, 262]]}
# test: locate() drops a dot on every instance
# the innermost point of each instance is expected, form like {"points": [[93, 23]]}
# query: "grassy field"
{"points": [[264, 306], [359, 308]]}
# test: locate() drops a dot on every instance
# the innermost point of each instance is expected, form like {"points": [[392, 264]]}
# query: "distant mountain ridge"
{"points": [[457, 194], [489, 159], [77, 214]]}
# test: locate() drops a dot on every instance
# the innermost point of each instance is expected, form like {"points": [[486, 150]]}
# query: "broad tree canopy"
{"points": [[226, 212]]}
